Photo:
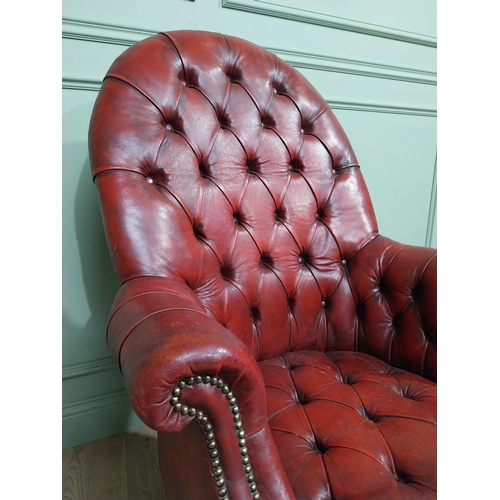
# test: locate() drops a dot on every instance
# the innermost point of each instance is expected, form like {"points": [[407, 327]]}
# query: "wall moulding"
{"points": [[97, 417], [115, 35], [88, 368], [95, 85], [381, 108], [92, 32], [268, 8], [81, 84], [102, 409], [430, 237], [355, 67], [95, 403]]}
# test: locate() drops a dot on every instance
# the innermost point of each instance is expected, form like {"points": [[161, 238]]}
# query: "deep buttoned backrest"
{"points": [[219, 166]]}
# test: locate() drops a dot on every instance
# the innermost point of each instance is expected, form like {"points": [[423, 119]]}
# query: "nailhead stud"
{"points": [[210, 436]]}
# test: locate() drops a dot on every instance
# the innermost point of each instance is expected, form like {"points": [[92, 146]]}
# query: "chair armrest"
{"points": [[179, 364], [395, 287], [160, 334]]}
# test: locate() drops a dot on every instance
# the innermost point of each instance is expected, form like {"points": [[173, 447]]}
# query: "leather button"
{"points": [[169, 127], [359, 311], [296, 165], [267, 121], [150, 180], [252, 166], [265, 259], [301, 260], [323, 303], [280, 213], [237, 218]]}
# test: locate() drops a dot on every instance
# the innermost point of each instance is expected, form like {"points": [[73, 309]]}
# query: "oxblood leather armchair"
{"points": [[280, 346]]}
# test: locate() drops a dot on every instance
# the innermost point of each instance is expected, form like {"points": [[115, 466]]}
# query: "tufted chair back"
{"points": [[236, 179], [220, 167], [252, 273]]}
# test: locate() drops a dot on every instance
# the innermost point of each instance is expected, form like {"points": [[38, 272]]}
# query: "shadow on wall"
{"points": [[91, 282], [94, 401], [98, 275]]}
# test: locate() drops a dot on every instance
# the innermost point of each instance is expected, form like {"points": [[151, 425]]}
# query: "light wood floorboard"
{"points": [[121, 467]]}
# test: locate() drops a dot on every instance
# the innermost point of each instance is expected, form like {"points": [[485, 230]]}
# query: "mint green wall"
{"points": [[374, 61]]}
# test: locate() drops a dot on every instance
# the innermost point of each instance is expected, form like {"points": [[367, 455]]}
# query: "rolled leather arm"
{"points": [[395, 288], [179, 364]]}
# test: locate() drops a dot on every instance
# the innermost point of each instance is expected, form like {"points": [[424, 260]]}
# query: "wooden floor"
{"points": [[122, 467]]}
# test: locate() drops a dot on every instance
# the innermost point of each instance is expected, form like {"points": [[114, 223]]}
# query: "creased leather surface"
{"points": [[241, 229], [348, 425]]}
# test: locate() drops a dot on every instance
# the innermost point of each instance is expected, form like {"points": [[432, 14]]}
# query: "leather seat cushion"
{"points": [[349, 426]]}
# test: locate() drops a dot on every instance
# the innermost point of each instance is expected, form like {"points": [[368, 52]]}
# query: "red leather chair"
{"points": [[281, 347]]}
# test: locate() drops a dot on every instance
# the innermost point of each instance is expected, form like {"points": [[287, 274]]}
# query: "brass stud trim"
{"points": [[204, 422]]}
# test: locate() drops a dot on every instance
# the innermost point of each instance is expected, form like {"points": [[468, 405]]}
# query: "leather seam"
{"points": [[127, 301], [131, 85], [113, 168], [142, 320]]}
